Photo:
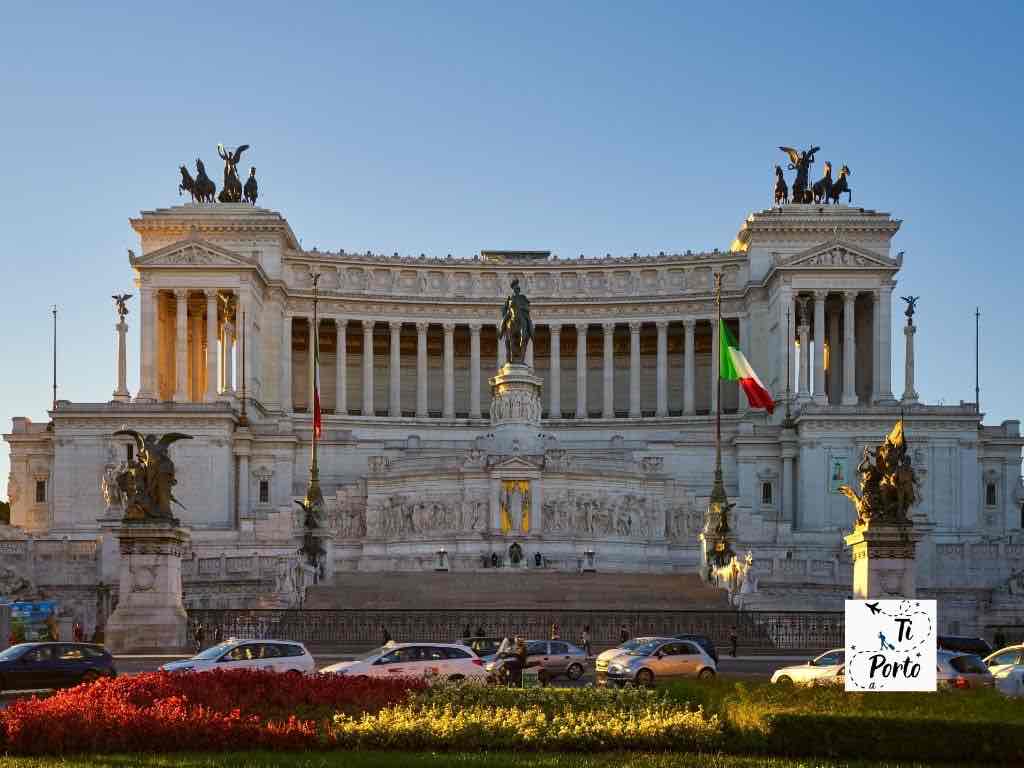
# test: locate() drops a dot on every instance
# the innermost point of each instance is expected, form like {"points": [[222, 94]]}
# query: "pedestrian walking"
{"points": [[585, 640], [465, 633], [623, 634], [505, 646], [556, 632], [480, 631], [218, 635], [385, 634], [78, 632], [199, 636], [734, 641]]}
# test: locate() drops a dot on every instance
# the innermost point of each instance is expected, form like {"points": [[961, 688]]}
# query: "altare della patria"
{"points": [[508, 429]]}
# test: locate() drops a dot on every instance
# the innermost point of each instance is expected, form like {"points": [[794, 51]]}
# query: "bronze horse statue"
{"points": [[201, 188], [516, 327], [823, 187], [801, 163], [840, 186], [251, 189], [781, 190]]}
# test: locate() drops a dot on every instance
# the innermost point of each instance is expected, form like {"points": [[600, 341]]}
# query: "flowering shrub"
{"points": [[470, 718], [216, 710]]}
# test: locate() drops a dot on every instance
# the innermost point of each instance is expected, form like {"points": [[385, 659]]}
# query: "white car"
{"points": [[437, 661], [658, 659], [274, 655], [1007, 667], [826, 669], [605, 657]]}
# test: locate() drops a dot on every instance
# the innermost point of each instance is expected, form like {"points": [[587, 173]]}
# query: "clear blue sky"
{"points": [[450, 128]]}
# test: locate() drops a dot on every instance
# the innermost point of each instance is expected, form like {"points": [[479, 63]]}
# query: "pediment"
{"points": [[191, 252], [838, 253], [515, 463]]}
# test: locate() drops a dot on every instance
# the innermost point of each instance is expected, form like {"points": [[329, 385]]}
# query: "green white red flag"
{"points": [[733, 366]]}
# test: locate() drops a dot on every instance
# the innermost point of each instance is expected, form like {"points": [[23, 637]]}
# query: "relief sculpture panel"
{"points": [[584, 514]]}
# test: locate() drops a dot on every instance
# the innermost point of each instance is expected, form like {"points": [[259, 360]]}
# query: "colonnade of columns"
{"points": [[831, 377], [342, 326]]}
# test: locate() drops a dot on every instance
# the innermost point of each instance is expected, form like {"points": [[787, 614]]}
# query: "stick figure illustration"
{"points": [[885, 644]]}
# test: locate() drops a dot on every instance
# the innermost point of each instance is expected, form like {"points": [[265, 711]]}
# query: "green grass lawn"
{"points": [[422, 760]]}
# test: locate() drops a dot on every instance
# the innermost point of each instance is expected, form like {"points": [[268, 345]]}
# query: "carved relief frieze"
{"points": [[601, 514]]}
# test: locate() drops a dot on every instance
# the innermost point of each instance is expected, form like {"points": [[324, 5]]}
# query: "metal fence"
{"points": [[758, 631]]}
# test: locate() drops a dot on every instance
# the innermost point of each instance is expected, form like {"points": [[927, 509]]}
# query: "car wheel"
{"points": [[784, 680], [574, 672], [645, 678], [706, 674]]}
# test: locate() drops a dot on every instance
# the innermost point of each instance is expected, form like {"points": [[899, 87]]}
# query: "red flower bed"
{"points": [[198, 711]]}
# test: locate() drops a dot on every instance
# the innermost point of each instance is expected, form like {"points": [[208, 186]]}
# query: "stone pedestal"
{"points": [[884, 565], [150, 615], [121, 392], [516, 410]]}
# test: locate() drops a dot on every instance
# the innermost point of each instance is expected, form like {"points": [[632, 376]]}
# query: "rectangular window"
{"points": [[40, 491], [264, 491], [766, 493], [990, 495]]}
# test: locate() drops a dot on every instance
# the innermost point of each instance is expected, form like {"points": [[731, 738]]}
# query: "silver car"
{"points": [[659, 659], [551, 658]]}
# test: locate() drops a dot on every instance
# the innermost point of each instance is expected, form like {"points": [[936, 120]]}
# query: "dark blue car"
{"points": [[53, 665]]}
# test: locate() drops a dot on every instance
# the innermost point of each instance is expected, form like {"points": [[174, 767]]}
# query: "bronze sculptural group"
{"points": [[911, 307], [144, 483], [516, 327], [888, 483], [120, 300], [202, 189], [825, 190]]}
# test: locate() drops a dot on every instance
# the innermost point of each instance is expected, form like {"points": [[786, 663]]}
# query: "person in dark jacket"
{"points": [[385, 634], [623, 634], [734, 641]]}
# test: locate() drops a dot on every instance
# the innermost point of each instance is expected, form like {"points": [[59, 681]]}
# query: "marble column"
{"points": [[555, 385], [449, 370], [689, 365], [714, 365], [211, 345], [395, 374], [474, 371], [181, 347], [581, 370], [634, 369], [884, 336], [287, 403], [786, 323], [368, 367], [804, 329], [197, 360], [421, 369], [341, 366], [849, 349], [608, 388], [820, 398], [147, 344], [835, 361], [311, 340], [662, 326], [121, 393], [229, 355], [909, 393]]}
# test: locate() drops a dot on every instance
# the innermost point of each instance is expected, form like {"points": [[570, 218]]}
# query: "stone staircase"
{"points": [[508, 589]]}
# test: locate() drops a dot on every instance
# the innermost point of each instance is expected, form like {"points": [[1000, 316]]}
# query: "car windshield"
{"points": [[646, 649], [373, 654], [214, 651], [13, 652], [968, 664], [630, 645]]}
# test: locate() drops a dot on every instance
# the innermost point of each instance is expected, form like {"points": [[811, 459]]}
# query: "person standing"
{"points": [[556, 632], [623, 634], [505, 647], [385, 635], [734, 641], [585, 639], [465, 633], [480, 631], [218, 635], [78, 632], [200, 636]]}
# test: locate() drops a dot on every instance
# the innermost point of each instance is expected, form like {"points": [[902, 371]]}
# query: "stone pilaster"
{"points": [[662, 370], [449, 370], [849, 349], [608, 379], [287, 404], [395, 372], [820, 397], [474, 371], [368, 367], [181, 347], [421, 369], [804, 329], [689, 367], [790, 449], [555, 407], [634, 369], [581, 370], [341, 366], [121, 393]]}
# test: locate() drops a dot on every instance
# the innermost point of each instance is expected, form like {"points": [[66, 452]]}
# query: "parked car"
{"points": [[976, 645], [704, 642], [827, 668], [30, 666], [962, 671], [482, 646], [659, 659], [274, 655], [445, 661], [1007, 667], [551, 658], [605, 657]]}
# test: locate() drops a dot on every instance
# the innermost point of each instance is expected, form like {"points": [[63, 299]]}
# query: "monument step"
{"points": [[515, 590]]}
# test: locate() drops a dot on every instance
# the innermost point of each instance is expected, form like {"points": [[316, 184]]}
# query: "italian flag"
{"points": [[318, 422], [733, 366]]}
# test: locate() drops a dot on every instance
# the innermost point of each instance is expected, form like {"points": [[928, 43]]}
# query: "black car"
{"points": [[704, 642], [29, 666], [976, 645]]}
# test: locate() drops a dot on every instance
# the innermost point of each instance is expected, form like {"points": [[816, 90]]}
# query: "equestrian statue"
{"points": [[516, 328], [201, 188], [889, 485]]}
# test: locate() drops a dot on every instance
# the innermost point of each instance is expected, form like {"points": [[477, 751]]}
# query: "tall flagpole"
{"points": [[717, 547], [313, 493], [977, 359], [54, 404]]}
